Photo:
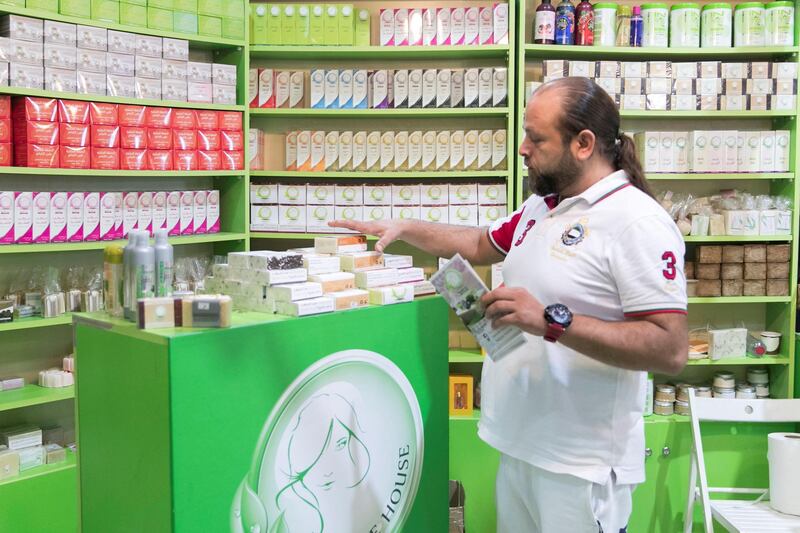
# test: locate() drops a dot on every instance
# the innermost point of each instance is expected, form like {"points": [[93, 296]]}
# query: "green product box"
{"points": [[211, 8], [105, 10], [211, 26], [132, 14], [187, 6], [233, 9], [51, 6], [346, 24], [273, 24], [316, 31], [184, 22], [75, 8], [258, 24], [18, 3], [161, 4], [159, 19], [331, 37], [233, 28], [302, 25], [362, 34], [288, 25]]}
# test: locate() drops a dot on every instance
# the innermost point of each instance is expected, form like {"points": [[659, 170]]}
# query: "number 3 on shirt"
{"points": [[669, 272]]}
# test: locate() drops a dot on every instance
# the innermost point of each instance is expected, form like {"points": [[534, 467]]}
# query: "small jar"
{"points": [[724, 380], [684, 26], [703, 391], [663, 408], [655, 23], [716, 26], [726, 393], [780, 24], [749, 24], [745, 391], [758, 376], [682, 392], [682, 408], [665, 393], [762, 390]]}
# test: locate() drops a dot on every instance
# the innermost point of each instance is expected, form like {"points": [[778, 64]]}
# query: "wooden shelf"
{"points": [[33, 395]]}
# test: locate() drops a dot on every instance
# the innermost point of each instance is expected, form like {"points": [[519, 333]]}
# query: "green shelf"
{"points": [[711, 176], [306, 53], [44, 469], [99, 245], [21, 91], [295, 236], [382, 113], [476, 415], [630, 113], [426, 175], [465, 356], [669, 419], [122, 173], [741, 300], [195, 40], [739, 361], [36, 322], [738, 238], [33, 395], [549, 51]]}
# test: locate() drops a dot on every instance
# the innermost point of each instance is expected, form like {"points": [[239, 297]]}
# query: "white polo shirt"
{"points": [[609, 253]]}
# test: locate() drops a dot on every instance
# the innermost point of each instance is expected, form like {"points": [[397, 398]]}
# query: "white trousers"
{"points": [[532, 500]]}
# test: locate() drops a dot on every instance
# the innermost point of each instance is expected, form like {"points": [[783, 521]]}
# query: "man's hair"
{"points": [[586, 106]]}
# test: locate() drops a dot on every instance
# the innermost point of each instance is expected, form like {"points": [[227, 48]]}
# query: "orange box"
{"points": [[184, 139], [75, 156], [133, 159], [131, 115], [36, 132], [36, 155], [105, 136], [209, 160], [6, 154], [73, 112], [105, 158], [207, 120], [158, 117], [133, 138], [100, 113], [230, 120], [32, 108], [5, 107], [184, 119], [185, 159], [208, 139], [74, 135], [232, 160], [459, 394], [232, 140], [159, 159], [5, 130], [159, 139]]}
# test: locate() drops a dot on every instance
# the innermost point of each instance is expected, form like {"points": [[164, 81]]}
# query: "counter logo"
{"points": [[342, 450]]}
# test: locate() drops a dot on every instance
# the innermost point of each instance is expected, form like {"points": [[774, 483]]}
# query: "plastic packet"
{"points": [[182, 275]]}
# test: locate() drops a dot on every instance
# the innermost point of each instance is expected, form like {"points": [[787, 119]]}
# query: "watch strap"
{"points": [[553, 332]]}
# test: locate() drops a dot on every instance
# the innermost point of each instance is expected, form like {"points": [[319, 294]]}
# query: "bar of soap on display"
{"points": [[9, 464], [54, 454], [268, 260], [335, 282], [338, 245], [19, 437], [349, 299], [421, 288], [31, 457], [397, 261], [277, 277], [723, 343], [156, 313], [55, 378], [410, 275], [380, 277], [12, 384], [391, 295], [207, 311], [321, 264], [354, 262], [313, 306], [293, 292]]}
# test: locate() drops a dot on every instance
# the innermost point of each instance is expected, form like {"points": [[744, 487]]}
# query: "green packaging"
{"points": [[233, 9], [187, 6], [50, 6], [233, 28], [288, 30], [105, 10], [159, 19], [161, 4], [184, 22], [273, 24], [258, 24], [316, 32], [74, 8], [132, 14], [210, 8], [303, 25], [331, 36], [211, 26], [362, 35], [346, 24]]}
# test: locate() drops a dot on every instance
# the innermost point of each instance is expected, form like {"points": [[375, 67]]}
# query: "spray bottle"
{"points": [[144, 271], [127, 275], [164, 261]]}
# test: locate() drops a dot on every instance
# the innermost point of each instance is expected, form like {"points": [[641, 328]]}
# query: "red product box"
{"points": [[100, 113], [5, 107], [133, 138], [132, 115], [232, 140], [159, 139], [6, 154], [75, 156], [158, 117], [73, 112], [232, 160], [184, 119], [185, 159], [207, 120], [105, 158], [133, 159], [76, 135], [208, 140], [209, 160], [184, 139], [36, 132], [5, 130], [230, 120], [32, 108], [105, 136], [159, 159], [36, 155]]}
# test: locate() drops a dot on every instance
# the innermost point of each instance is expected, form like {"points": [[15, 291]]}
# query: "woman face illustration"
{"points": [[338, 466]]}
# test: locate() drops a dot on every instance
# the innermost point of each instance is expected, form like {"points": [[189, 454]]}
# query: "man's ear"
{"points": [[583, 145]]}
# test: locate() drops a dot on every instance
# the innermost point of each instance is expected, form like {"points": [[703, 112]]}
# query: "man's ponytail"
{"points": [[625, 159]]}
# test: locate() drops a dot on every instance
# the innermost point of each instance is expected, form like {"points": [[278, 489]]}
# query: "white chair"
{"points": [[747, 515]]}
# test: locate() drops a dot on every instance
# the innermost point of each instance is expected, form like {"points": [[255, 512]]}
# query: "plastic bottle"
{"points": [[755, 348], [113, 279], [127, 275], [623, 26], [544, 27], [144, 270], [584, 24], [164, 264], [565, 23], [637, 27]]}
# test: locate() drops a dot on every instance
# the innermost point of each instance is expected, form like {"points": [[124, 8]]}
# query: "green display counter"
{"points": [[322, 424]]}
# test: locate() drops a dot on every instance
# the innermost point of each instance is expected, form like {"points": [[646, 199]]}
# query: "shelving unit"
{"points": [[383, 113], [33, 395], [99, 245]]}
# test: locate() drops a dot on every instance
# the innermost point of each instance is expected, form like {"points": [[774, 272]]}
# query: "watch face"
{"points": [[559, 314]]}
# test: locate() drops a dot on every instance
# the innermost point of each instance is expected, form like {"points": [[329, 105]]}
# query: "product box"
{"points": [[647, 145], [373, 150], [317, 153], [175, 90], [264, 217], [319, 194], [26, 76], [457, 150], [292, 218], [344, 155], [472, 87], [387, 27], [91, 216], [457, 88], [680, 151], [75, 156], [360, 92], [318, 217], [282, 88], [442, 150], [406, 213], [435, 194], [400, 88], [472, 26], [185, 160], [148, 67], [499, 148], [499, 88], [186, 225], [107, 218], [374, 213], [463, 215], [405, 195], [359, 151], [485, 150], [767, 156], [377, 194], [415, 82], [386, 150], [400, 151], [144, 207], [176, 49], [331, 90], [199, 212], [749, 153], [40, 217], [485, 87], [130, 212], [391, 295], [429, 154], [782, 150], [443, 86], [349, 195], [331, 25], [317, 89], [401, 27], [173, 213], [457, 25], [429, 27], [500, 23], [380, 89]]}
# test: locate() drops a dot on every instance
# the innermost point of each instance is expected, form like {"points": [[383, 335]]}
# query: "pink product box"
{"points": [[173, 223], [108, 216], [6, 217], [401, 26], [58, 217], [458, 25], [187, 213], [159, 210], [212, 212], [144, 206], [444, 26], [415, 27], [200, 212], [23, 217], [40, 226], [387, 27], [91, 216], [472, 25], [130, 212], [486, 26], [118, 215], [75, 216], [429, 27]]}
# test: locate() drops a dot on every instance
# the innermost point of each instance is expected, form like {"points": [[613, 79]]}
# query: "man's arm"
{"points": [[440, 240]]}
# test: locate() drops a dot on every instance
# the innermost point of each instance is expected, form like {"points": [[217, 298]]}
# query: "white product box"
{"points": [[634, 69], [401, 150], [159, 210], [377, 195], [40, 217], [312, 306], [335, 281], [292, 194], [380, 89], [443, 83], [733, 103], [401, 27], [60, 56], [398, 261], [499, 149], [122, 86], [319, 194], [749, 153], [4, 75], [264, 193], [177, 49], [266, 88], [60, 33], [786, 87], [485, 150], [429, 26], [782, 102], [761, 87], [373, 150], [178, 70], [350, 212], [7, 217], [360, 89], [457, 150], [75, 202], [767, 163], [661, 86], [349, 195], [391, 295], [201, 72], [760, 70], [321, 264], [282, 88], [107, 216], [91, 61], [472, 87], [415, 27], [197, 92], [144, 207], [148, 67], [24, 28], [173, 221], [187, 213], [406, 212], [429, 150], [429, 88], [647, 144], [457, 88], [782, 150], [346, 89], [680, 151], [60, 80], [293, 292], [264, 217], [444, 26], [634, 101], [415, 88], [92, 38], [91, 216], [783, 71], [359, 151], [27, 53], [472, 26], [442, 150], [120, 64], [434, 213], [489, 214], [387, 27], [684, 86], [583, 69], [221, 74], [435, 194], [685, 70], [485, 87], [758, 102], [292, 218], [666, 151], [485, 26], [715, 150], [377, 277], [331, 100], [405, 195], [731, 151], [463, 215], [376, 213], [400, 85], [117, 215], [386, 150], [299, 146], [500, 23], [122, 42], [767, 221], [318, 217], [471, 150], [733, 70], [499, 87], [457, 25], [149, 46], [492, 194], [23, 217], [331, 156], [130, 212], [463, 194], [414, 151], [58, 216]]}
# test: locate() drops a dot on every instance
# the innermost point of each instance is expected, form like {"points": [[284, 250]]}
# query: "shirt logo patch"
{"points": [[574, 234], [525, 232]]}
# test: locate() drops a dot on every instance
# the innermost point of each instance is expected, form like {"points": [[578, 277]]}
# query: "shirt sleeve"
{"points": [[501, 232], [646, 262]]}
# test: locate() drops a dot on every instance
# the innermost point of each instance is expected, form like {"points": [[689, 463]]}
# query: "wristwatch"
{"points": [[558, 317]]}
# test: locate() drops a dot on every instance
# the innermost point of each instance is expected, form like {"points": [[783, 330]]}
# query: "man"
{"points": [[593, 270]]}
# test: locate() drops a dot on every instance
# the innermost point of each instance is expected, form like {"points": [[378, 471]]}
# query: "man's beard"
{"points": [[554, 180]]}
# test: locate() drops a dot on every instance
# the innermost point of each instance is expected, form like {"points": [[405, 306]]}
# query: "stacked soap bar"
{"points": [[748, 270], [25, 447], [300, 208], [187, 311]]}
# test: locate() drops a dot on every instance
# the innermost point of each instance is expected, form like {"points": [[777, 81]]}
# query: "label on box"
{"points": [[187, 213]]}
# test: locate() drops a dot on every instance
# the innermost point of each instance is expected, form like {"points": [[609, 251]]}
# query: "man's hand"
{"points": [[515, 307], [388, 232]]}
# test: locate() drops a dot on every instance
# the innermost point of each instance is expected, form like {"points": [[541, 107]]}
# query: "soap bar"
{"points": [[6, 311], [391, 295], [267, 260], [421, 288], [732, 287], [156, 313], [410, 275], [732, 271], [709, 254], [9, 464], [777, 287], [755, 271], [755, 288], [778, 253], [733, 254], [724, 343], [778, 270], [12, 383], [277, 277], [349, 299], [19, 437], [207, 311], [31, 457], [708, 271], [335, 282], [381, 277], [709, 288], [755, 253], [397, 261], [361, 260], [321, 264], [54, 454], [293, 292], [313, 306], [337, 245]]}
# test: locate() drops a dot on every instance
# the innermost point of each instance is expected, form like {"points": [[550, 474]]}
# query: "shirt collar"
{"points": [[597, 192]]}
